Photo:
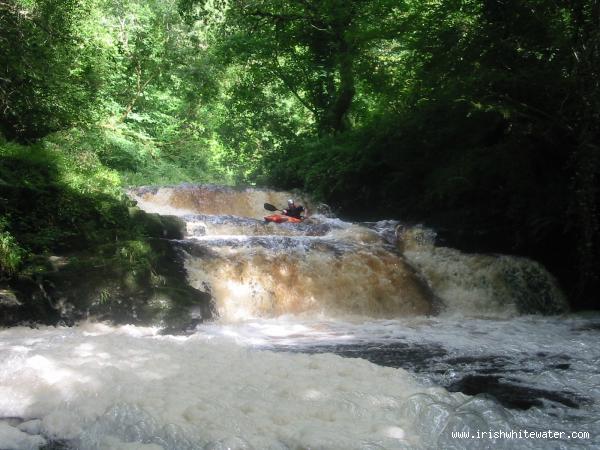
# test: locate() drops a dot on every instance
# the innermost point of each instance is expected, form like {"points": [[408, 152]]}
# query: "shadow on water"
{"points": [[511, 395], [473, 375]]}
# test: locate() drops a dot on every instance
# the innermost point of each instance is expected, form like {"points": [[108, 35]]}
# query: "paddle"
{"points": [[270, 207]]}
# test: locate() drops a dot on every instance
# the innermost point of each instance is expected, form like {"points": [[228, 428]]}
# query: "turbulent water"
{"points": [[328, 335]]}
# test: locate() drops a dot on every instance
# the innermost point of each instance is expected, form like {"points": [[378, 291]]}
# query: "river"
{"points": [[325, 335]]}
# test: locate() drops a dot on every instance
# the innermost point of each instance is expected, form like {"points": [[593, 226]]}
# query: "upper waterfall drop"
{"points": [[216, 200], [326, 267]]}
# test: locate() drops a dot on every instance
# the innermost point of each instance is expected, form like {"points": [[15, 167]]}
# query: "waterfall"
{"points": [[326, 267]]}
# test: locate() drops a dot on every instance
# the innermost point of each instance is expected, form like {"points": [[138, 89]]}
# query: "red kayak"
{"points": [[280, 218]]}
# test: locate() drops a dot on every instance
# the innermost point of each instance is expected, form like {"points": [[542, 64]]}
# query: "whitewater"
{"points": [[385, 341]]}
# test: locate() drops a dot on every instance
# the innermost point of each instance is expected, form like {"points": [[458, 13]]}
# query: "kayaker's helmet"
{"points": [[290, 202]]}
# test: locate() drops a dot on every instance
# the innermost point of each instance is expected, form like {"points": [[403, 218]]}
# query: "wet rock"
{"points": [[8, 299], [59, 445], [150, 288], [58, 262], [159, 226], [27, 303], [141, 190], [589, 327], [397, 355], [511, 395]]}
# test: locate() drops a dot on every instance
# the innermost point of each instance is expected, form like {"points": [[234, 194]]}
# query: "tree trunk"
{"points": [[140, 87]]}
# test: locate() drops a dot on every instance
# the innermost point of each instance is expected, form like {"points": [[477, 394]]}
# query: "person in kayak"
{"points": [[294, 211]]}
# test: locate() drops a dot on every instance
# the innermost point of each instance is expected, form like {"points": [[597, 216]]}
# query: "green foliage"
{"points": [[136, 254], [52, 67], [57, 199], [11, 254]]}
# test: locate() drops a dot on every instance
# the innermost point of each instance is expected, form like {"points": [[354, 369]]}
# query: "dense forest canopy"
{"points": [[480, 118]]}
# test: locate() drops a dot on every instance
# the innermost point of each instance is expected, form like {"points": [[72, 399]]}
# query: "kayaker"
{"points": [[293, 211]]}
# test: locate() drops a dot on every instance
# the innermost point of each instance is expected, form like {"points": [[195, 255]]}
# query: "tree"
{"points": [[49, 78], [312, 49]]}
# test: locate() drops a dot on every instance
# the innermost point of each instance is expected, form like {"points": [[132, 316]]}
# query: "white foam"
{"points": [[94, 386], [528, 348]]}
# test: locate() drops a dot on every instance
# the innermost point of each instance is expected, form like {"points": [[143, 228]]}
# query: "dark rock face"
{"points": [[110, 289], [157, 226], [9, 304], [123, 282]]}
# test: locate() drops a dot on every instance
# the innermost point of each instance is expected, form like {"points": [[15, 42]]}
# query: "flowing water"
{"points": [[326, 334]]}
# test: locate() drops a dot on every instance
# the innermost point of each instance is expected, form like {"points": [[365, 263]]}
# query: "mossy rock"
{"points": [[158, 226], [150, 290]]}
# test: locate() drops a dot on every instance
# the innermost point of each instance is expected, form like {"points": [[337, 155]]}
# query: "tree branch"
{"points": [[538, 112], [278, 72], [139, 90]]}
